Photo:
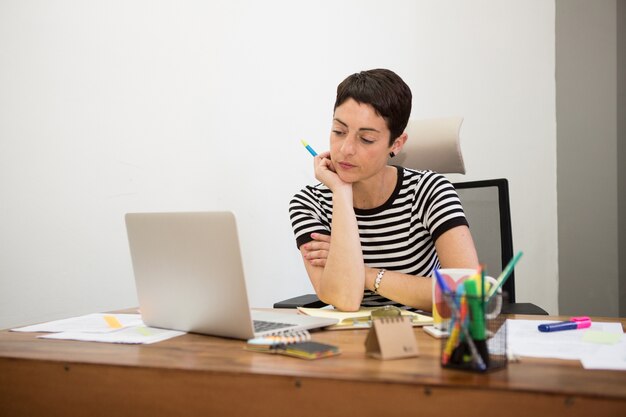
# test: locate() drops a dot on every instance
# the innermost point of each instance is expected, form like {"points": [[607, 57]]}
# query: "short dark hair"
{"points": [[385, 91]]}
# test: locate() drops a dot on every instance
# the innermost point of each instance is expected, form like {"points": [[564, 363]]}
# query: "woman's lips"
{"points": [[346, 165]]}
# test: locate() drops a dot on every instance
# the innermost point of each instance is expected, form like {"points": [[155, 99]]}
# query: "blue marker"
{"points": [[442, 284], [308, 148]]}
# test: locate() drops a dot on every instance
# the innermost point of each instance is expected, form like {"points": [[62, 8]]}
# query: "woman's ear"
{"points": [[398, 144]]}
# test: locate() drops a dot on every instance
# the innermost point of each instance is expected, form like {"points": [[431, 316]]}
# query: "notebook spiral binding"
{"points": [[278, 340], [288, 337]]}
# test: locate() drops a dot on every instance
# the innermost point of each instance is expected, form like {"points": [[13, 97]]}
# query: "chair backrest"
{"points": [[433, 144], [486, 205]]}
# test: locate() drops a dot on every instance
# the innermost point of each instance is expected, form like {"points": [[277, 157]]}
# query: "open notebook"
{"points": [[189, 276]]}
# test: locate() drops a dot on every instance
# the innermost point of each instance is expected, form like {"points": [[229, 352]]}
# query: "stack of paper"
{"points": [[97, 327], [601, 346]]}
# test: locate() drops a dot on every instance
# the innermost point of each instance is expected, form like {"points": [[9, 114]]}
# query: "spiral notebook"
{"points": [[296, 344]]}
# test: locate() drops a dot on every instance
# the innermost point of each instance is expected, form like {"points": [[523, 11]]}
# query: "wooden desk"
{"points": [[202, 375]]}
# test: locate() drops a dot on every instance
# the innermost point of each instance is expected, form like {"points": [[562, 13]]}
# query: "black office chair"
{"points": [[487, 209]]}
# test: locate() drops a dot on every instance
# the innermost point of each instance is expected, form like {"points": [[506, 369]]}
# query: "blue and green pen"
{"points": [[503, 276], [308, 147]]}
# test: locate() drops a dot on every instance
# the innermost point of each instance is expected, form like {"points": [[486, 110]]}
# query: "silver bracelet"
{"points": [[379, 278]]}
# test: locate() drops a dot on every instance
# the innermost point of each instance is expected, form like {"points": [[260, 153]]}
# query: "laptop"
{"points": [[189, 277]]}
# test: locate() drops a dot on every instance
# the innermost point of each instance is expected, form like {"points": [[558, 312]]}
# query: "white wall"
{"points": [[111, 107]]}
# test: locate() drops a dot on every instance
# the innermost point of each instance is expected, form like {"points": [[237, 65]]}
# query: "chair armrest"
{"points": [[523, 308], [307, 300]]}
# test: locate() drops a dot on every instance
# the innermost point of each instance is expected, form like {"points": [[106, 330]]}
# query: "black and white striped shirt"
{"points": [[400, 235]]}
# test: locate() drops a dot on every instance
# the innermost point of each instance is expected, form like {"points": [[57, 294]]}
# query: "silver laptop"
{"points": [[189, 277]]}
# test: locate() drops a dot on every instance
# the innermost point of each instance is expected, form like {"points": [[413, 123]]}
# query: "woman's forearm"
{"points": [[343, 279], [455, 249], [409, 290]]}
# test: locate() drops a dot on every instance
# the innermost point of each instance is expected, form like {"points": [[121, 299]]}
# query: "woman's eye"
{"points": [[337, 132], [367, 141]]}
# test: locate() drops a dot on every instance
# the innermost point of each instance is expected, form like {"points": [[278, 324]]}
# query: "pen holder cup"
{"points": [[476, 338]]}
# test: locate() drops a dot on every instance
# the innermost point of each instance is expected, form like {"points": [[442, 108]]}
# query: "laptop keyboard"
{"points": [[263, 326]]}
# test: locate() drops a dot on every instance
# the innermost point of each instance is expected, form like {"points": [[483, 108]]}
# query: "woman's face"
{"points": [[359, 141]]}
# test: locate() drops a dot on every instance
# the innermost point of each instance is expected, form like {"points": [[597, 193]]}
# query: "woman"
{"points": [[369, 225]]}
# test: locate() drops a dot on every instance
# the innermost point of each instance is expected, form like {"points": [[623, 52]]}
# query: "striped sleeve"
{"points": [[442, 208], [310, 211]]}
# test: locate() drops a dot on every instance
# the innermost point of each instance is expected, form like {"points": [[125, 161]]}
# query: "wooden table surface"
{"points": [[197, 374]]}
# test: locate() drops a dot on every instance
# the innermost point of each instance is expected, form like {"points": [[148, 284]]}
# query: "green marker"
{"points": [[477, 319]]}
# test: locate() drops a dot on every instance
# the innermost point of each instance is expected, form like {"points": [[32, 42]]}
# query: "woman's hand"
{"points": [[325, 172], [316, 251]]}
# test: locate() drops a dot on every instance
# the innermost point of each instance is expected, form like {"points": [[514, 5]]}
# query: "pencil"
{"points": [[308, 147]]}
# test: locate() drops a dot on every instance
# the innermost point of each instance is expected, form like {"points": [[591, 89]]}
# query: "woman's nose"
{"points": [[348, 146]]}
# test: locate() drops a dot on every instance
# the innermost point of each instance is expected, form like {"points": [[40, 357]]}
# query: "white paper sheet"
{"points": [[99, 327], [524, 339], [89, 323], [128, 335], [612, 357]]}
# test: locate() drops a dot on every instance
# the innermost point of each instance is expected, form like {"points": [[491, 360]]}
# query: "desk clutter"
{"points": [[597, 344], [296, 344]]}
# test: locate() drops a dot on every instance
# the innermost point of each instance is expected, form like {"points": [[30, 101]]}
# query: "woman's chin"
{"points": [[348, 177]]}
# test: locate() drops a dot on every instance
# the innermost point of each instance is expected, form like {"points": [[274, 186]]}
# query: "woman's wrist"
{"points": [[342, 196], [341, 188], [370, 277]]}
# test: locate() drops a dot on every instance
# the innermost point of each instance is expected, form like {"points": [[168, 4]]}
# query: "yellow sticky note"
{"points": [[604, 338], [144, 331], [113, 322]]}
